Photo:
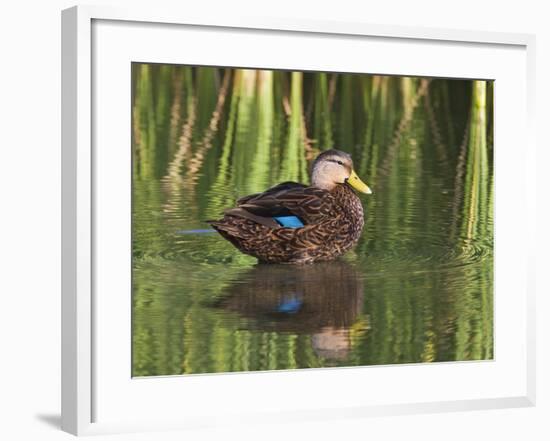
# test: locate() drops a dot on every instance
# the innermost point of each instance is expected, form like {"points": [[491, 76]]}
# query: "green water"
{"points": [[417, 288]]}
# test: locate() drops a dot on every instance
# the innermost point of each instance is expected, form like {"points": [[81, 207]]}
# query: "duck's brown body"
{"points": [[333, 221]]}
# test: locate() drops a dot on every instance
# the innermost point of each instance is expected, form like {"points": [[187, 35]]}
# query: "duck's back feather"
{"points": [[309, 204], [288, 185]]}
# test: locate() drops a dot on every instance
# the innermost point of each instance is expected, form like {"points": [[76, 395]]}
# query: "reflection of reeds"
{"points": [[345, 114], [437, 137], [175, 111], [477, 166], [322, 118], [144, 123], [474, 333], [184, 145], [393, 147], [216, 134], [195, 163], [293, 166], [217, 195], [459, 180], [266, 111]]}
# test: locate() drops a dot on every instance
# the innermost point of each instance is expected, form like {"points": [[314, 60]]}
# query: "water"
{"points": [[417, 288]]}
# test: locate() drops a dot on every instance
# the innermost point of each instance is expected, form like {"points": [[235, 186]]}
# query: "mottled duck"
{"points": [[296, 223]]}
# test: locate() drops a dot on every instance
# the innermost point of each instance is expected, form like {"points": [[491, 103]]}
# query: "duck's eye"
{"points": [[340, 162]]}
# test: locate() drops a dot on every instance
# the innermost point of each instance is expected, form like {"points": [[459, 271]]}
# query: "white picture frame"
{"points": [[85, 380]]}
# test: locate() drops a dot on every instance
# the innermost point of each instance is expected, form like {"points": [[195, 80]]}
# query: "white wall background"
{"points": [[30, 218]]}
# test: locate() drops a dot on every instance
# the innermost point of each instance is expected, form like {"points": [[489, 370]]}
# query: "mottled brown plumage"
{"points": [[330, 210]]}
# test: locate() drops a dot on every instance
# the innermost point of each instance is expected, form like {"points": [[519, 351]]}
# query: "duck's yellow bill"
{"points": [[357, 183]]}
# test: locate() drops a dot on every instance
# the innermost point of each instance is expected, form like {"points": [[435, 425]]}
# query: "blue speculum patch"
{"points": [[290, 305], [289, 221]]}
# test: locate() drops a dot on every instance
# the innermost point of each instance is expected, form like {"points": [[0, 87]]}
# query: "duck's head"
{"points": [[334, 167]]}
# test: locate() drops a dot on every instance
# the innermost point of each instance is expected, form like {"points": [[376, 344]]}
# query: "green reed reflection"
{"points": [[417, 288]]}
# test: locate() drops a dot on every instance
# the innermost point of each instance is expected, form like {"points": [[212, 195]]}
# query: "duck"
{"points": [[293, 223]]}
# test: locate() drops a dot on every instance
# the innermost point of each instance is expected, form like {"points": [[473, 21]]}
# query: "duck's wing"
{"points": [[289, 185], [309, 204]]}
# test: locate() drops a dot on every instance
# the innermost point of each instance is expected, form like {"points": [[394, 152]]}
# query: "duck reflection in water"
{"points": [[323, 300]]}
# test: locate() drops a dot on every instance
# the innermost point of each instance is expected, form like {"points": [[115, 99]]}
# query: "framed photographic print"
{"points": [[255, 210]]}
